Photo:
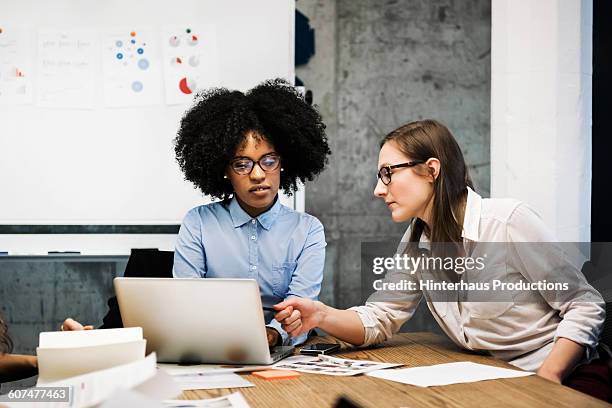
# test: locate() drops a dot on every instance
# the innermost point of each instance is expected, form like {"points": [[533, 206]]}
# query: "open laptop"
{"points": [[198, 320]]}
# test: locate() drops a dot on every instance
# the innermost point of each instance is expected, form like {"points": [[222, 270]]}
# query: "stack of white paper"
{"points": [[93, 388], [71, 353]]}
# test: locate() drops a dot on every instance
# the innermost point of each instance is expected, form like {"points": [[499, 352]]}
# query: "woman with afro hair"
{"points": [[241, 148]]}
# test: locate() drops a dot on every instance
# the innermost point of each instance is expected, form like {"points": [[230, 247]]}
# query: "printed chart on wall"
{"points": [[190, 61], [66, 61], [132, 72], [15, 66]]}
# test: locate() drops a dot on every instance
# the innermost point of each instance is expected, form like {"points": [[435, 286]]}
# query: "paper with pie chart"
{"points": [[190, 61], [15, 66], [131, 68]]}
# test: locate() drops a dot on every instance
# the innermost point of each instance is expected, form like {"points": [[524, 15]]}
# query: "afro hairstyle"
{"points": [[216, 125]]}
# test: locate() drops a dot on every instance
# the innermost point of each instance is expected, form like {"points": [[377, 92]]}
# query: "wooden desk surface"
{"points": [[411, 349]]}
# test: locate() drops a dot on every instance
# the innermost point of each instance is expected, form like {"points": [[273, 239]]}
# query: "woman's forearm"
{"points": [[562, 359], [16, 366], [342, 324]]}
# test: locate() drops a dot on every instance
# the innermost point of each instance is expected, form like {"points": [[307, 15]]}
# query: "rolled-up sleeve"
{"points": [[382, 320], [539, 258], [386, 311], [189, 254]]}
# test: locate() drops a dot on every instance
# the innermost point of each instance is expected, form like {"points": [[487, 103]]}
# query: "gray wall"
{"points": [[38, 293], [378, 64]]}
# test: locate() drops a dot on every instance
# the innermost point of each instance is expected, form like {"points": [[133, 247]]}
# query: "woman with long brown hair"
{"points": [[424, 181], [13, 366]]}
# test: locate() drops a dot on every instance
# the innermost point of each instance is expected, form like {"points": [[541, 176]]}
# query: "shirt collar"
{"points": [[266, 219], [471, 218]]}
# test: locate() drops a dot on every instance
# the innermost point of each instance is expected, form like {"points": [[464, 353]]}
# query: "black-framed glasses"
{"points": [[384, 174], [243, 165]]}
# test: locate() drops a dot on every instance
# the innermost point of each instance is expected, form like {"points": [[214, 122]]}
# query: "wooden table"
{"points": [[411, 349]]}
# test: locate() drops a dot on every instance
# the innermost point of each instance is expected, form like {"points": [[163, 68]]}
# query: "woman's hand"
{"points": [[72, 325], [299, 315]]}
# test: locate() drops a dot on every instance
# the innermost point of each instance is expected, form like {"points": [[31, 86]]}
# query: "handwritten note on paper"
{"points": [[66, 61], [190, 61], [15, 66], [132, 68]]}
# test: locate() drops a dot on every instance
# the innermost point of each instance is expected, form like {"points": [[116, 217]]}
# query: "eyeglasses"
{"points": [[243, 165], [384, 174]]}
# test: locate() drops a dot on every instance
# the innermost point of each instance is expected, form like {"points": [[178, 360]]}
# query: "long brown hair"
{"points": [[6, 345], [424, 139]]}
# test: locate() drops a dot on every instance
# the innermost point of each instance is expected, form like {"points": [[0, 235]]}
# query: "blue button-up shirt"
{"points": [[282, 249]]}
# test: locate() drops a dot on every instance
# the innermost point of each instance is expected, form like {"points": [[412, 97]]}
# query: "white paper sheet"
{"points": [[131, 399], [190, 59], [178, 369], [330, 365], [57, 363], [132, 68], [159, 387], [15, 66], [210, 381], [235, 400], [72, 353], [446, 374], [93, 388], [66, 61], [149, 394], [83, 338]]}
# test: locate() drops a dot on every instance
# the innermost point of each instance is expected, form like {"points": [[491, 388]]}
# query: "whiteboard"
{"points": [[83, 161]]}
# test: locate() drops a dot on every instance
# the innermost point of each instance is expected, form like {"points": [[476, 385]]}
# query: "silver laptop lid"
{"points": [[196, 320]]}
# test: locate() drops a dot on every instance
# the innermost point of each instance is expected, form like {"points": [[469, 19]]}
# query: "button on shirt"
{"points": [[522, 333], [282, 249]]}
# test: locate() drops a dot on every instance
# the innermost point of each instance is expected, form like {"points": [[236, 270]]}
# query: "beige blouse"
{"points": [[520, 332]]}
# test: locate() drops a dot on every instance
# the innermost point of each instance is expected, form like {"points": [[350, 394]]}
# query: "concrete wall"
{"points": [[37, 294], [379, 65]]}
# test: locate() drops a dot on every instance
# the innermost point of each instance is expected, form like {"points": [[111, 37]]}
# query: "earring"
{"points": [[224, 177], [282, 169]]}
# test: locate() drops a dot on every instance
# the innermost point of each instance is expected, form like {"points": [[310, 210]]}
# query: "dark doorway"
{"points": [[601, 198]]}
